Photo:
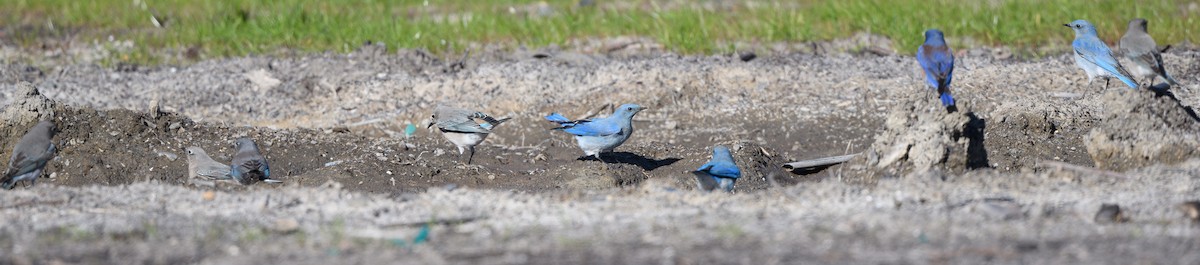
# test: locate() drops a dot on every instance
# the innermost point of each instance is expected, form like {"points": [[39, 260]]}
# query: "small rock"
{"points": [[1191, 210], [1110, 213], [170, 156], [262, 79], [286, 225], [747, 56]]}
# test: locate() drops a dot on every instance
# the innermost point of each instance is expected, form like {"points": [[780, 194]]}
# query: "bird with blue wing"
{"points": [[30, 155], [600, 135], [1142, 51], [460, 127], [937, 61], [249, 165], [720, 171], [1094, 56]]}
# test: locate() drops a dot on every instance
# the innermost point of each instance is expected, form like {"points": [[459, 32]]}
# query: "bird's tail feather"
{"points": [[558, 118], [1170, 80], [704, 181], [1124, 75], [9, 179], [947, 100]]}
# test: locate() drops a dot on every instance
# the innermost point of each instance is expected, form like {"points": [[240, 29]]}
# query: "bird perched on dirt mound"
{"points": [[460, 128], [719, 172], [937, 61], [249, 165], [201, 167], [30, 155], [1094, 56], [1139, 48], [599, 135]]}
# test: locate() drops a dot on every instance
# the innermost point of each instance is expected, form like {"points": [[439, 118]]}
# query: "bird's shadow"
{"points": [[645, 163], [1163, 90], [811, 170]]}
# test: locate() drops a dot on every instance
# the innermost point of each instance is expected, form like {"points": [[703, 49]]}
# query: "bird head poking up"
{"points": [[628, 110], [1082, 28], [432, 121], [934, 36], [46, 126], [244, 143], [1137, 24], [721, 151], [193, 151]]}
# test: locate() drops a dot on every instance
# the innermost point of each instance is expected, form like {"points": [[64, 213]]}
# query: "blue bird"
{"points": [[30, 155], [937, 60], [719, 172], [1094, 56], [249, 165], [599, 135]]}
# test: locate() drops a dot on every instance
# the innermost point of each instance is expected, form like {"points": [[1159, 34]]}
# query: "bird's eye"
{"points": [[630, 108]]}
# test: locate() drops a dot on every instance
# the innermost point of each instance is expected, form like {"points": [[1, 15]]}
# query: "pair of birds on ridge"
{"points": [[1090, 53], [248, 165], [594, 137]]}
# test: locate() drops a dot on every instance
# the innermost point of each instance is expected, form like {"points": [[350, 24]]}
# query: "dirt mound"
{"points": [[1019, 134], [28, 107], [1140, 128], [919, 136]]}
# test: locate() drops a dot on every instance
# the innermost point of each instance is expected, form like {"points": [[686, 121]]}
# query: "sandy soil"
{"points": [[992, 182]]}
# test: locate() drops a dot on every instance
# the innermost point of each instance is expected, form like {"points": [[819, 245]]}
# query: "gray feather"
{"points": [[463, 120], [31, 152]]}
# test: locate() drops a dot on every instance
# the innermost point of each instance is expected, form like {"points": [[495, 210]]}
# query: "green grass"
{"points": [[241, 27]]}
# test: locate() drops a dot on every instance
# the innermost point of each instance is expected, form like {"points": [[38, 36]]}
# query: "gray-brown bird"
{"points": [[201, 167], [30, 155], [1139, 48], [249, 165], [459, 127]]}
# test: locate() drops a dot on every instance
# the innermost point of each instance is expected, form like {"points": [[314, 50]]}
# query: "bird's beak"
{"points": [[429, 125], [1067, 25]]}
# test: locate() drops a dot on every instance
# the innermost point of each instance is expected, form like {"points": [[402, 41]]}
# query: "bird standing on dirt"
{"points": [[937, 60], [599, 135], [1139, 48], [249, 165], [1094, 56], [719, 172], [30, 155], [201, 167], [460, 128]]}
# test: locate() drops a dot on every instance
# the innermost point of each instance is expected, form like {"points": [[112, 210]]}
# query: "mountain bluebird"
{"points": [[719, 172], [30, 155], [938, 62], [248, 165], [461, 129], [1139, 48], [599, 135], [1093, 55], [201, 167]]}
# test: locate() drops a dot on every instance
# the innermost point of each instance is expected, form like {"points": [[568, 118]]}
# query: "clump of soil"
{"points": [[28, 107], [1140, 128], [921, 136]]}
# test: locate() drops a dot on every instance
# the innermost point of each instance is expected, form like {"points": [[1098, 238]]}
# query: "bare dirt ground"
{"points": [[989, 183]]}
